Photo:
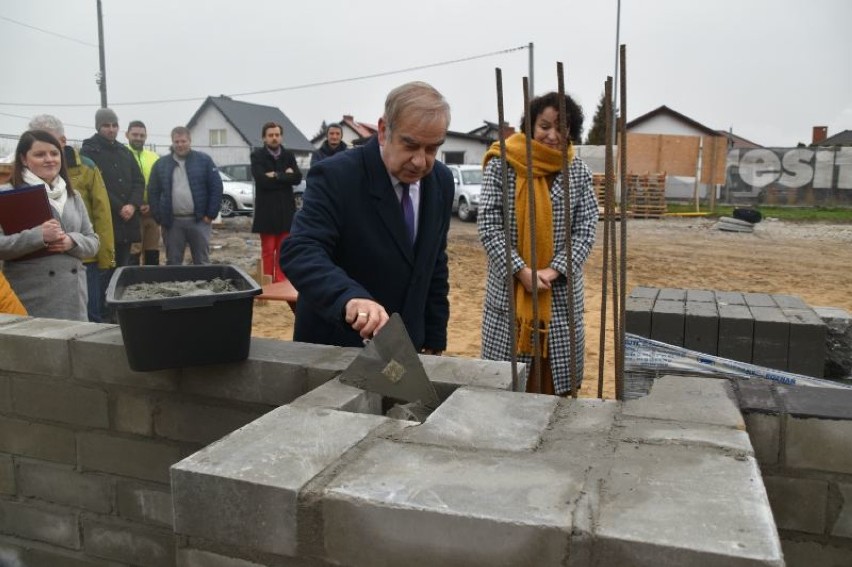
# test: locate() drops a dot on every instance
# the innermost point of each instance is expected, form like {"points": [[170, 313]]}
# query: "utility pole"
{"points": [[531, 64], [102, 75]]}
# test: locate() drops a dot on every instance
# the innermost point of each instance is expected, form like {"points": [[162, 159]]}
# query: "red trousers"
{"points": [[270, 254]]}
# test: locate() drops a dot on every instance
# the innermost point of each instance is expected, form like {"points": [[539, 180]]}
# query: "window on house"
{"points": [[454, 158], [218, 137]]}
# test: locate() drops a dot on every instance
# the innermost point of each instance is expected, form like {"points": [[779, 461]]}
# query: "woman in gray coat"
{"points": [[53, 284]]}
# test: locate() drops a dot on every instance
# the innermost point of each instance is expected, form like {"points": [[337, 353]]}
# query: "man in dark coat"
{"points": [[371, 237], [275, 172], [123, 179], [333, 144]]}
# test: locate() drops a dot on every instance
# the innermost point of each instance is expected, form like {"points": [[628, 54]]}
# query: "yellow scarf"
{"points": [[546, 162]]}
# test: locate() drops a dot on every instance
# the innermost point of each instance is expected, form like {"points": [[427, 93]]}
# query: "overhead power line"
{"points": [[283, 89], [74, 39]]}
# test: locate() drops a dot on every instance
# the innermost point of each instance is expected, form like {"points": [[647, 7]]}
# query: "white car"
{"points": [[237, 196], [468, 179]]}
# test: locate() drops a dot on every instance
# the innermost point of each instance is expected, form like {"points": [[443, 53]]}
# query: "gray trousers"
{"points": [[186, 230]]}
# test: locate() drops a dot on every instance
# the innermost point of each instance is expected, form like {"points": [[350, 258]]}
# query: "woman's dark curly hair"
{"points": [[551, 100]]}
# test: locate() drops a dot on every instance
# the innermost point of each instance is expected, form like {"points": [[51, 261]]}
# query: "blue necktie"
{"points": [[407, 211]]}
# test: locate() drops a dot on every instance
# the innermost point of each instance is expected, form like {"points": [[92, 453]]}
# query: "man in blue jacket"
{"points": [[185, 193], [371, 238]]}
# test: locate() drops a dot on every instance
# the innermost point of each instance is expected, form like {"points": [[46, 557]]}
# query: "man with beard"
{"points": [[136, 135], [333, 144], [275, 172]]}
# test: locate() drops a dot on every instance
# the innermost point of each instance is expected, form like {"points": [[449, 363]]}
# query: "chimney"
{"points": [[820, 134]]}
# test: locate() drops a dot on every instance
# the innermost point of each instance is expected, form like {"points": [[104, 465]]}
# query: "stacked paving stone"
{"points": [[774, 331]]}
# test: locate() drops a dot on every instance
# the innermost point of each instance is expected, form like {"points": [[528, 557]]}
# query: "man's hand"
{"points": [[206, 219], [365, 316], [127, 212], [288, 170], [144, 209], [270, 174]]}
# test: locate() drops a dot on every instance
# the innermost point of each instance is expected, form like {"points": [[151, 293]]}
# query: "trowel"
{"points": [[389, 365]]}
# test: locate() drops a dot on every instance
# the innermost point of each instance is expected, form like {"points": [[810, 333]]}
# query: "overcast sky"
{"points": [[769, 69]]}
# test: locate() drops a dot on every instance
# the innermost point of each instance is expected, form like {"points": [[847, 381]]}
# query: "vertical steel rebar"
{"points": [[533, 255], [622, 152], [608, 176], [507, 221], [569, 242]]}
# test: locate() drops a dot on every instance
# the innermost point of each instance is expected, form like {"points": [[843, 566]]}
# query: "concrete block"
{"points": [[711, 400], [275, 373], [638, 315], [5, 395], [842, 525], [337, 396], [759, 300], [701, 327], [729, 298], [798, 504], [147, 503], [581, 428], [40, 522], [789, 301], [133, 414], [667, 321], [54, 399], [764, 430], [101, 358], [448, 373], [185, 421], [257, 474], [62, 484], [37, 440], [812, 553], [807, 401], [482, 419], [7, 475], [146, 460], [819, 444], [806, 354], [838, 341], [756, 395], [129, 543], [422, 505], [771, 337], [41, 346], [670, 294], [667, 506], [657, 432], [736, 332], [645, 292], [700, 296], [21, 553]]}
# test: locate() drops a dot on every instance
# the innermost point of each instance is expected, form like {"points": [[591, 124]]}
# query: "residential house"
{"points": [[229, 130], [354, 133], [840, 139]]}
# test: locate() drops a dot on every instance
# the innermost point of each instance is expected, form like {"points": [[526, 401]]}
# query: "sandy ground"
{"points": [[811, 261]]}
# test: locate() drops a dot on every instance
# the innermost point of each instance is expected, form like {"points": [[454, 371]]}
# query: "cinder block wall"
{"points": [[802, 439], [86, 443]]}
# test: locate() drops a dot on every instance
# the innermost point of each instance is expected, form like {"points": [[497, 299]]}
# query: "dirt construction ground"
{"points": [[812, 261]]}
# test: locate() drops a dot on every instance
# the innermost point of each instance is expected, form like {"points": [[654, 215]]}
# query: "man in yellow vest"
{"points": [[136, 136]]}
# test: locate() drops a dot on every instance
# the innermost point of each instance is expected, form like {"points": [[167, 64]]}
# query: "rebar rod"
{"points": [[622, 151], [608, 165], [533, 256], [507, 221], [565, 140]]}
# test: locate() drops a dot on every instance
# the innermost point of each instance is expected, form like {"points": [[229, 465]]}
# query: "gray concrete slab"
{"points": [[818, 444], [638, 315], [41, 346], [644, 292], [425, 506], [736, 332], [758, 396], [710, 401], [257, 473], [334, 395], [667, 321], [667, 506], [759, 300], [701, 327], [486, 419], [672, 294], [798, 503], [700, 295], [448, 373], [771, 337], [789, 301], [825, 403], [656, 432]]}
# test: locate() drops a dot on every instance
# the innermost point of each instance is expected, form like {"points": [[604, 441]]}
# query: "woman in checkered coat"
{"points": [[551, 256]]}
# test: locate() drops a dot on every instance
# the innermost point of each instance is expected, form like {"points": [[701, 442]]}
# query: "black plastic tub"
{"points": [[174, 332]]}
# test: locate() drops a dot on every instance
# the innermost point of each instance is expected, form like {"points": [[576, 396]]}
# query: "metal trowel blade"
{"points": [[389, 366]]}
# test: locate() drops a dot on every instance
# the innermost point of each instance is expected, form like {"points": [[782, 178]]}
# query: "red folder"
{"points": [[23, 208]]}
